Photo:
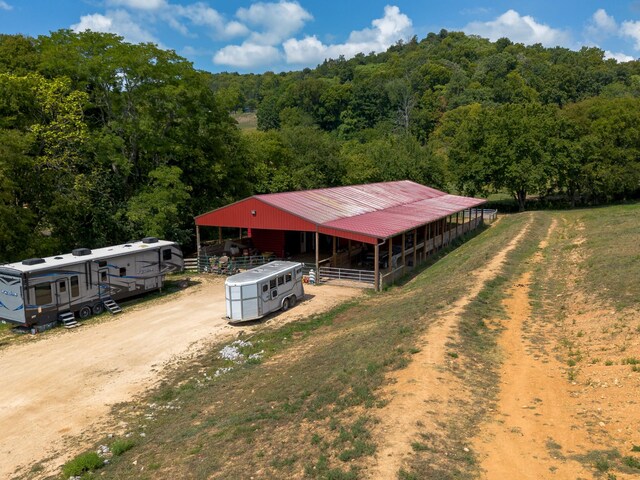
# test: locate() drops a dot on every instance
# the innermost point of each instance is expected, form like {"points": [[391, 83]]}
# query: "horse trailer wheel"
{"points": [[292, 300], [285, 304]]}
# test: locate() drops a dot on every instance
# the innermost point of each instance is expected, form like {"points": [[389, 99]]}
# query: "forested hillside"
{"points": [[103, 141]]}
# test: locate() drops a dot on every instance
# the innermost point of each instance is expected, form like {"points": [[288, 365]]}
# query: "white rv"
{"points": [[38, 292], [253, 294]]}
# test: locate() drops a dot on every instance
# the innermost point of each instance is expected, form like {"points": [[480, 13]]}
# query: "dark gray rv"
{"points": [[38, 292]]}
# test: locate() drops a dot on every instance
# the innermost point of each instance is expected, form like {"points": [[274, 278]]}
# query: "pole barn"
{"points": [[401, 221]]}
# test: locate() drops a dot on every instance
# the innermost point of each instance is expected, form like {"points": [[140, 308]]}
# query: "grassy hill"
{"points": [[308, 398]]}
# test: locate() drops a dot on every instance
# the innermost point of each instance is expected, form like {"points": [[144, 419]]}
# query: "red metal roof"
{"points": [[371, 212]]}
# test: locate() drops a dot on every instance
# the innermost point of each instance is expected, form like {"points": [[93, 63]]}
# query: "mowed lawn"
{"points": [[303, 399]]}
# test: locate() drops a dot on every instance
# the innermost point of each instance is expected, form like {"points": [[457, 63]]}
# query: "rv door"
{"points": [[62, 294], [103, 282]]}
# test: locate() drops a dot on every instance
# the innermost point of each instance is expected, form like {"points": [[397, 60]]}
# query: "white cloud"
{"points": [[5, 6], [139, 4], [247, 55], [393, 26], [277, 21], [600, 26], [118, 22], [520, 29], [200, 14], [618, 56], [631, 29]]}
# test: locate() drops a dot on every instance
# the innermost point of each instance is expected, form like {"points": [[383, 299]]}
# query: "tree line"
{"points": [[104, 141]]}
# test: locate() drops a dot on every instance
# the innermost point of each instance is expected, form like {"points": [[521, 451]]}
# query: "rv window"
{"points": [[281, 280], [43, 294], [166, 254], [103, 276], [63, 286], [102, 263], [272, 283], [265, 287], [75, 289], [288, 277], [123, 272]]}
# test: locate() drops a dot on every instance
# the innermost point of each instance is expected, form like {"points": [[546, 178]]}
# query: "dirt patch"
{"points": [[64, 384], [418, 395]]}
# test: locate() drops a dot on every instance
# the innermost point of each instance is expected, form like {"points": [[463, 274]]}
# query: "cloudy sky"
{"points": [[251, 36]]}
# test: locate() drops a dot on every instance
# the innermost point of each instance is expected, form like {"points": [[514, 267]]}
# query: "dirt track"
{"points": [[63, 385]]}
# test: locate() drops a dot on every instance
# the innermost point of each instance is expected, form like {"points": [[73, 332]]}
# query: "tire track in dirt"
{"points": [[533, 429], [425, 381]]}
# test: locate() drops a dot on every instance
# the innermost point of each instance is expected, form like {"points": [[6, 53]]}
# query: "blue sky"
{"points": [[251, 36]]}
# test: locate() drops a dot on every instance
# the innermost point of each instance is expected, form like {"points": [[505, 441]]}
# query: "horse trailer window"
{"points": [[166, 254], [281, 280], [265, 287], [274, 294], [75, 289], [288, 277], [272, 283], [43, 294]]}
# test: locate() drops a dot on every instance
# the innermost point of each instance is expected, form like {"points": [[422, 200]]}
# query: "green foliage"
{"points": [[122, 445], [85, 462]]}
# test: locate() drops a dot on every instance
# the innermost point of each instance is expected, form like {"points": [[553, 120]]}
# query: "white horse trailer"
{"points": [[255, 293], [38, 292]]}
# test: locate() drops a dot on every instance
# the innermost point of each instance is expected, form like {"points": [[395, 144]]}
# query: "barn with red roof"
{"points": [[400, 221]]}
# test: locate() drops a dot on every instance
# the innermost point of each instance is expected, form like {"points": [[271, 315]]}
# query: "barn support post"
{"points": [[220, 234], [198, 245], [482, 216], [427, 232], [458, 224], [404, 246], [333, 255], [317, 257], [390, 263], [376, 263], [415, 246], [349, 250]]}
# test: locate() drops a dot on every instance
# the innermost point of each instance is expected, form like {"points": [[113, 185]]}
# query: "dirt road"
{"points": [[413, 390], [63, 385]]}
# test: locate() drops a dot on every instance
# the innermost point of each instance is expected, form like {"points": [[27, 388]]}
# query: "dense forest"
{"points": [[103, 141]]}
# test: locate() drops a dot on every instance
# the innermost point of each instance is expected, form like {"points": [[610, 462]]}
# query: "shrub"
{"points": [[85, 462], [121, 445]]}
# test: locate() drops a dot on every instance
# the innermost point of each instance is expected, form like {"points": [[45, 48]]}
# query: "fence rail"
{"points": [[348, 274]]}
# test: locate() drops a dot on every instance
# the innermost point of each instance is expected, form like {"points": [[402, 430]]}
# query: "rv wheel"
{"points": [[285, 304], [98, 308], [85, 312]]}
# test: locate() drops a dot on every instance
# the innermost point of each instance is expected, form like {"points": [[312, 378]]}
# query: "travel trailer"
{"points": [[255, 293], [38, 292]]}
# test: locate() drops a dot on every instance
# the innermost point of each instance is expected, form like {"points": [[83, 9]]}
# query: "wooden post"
{"points": [[376, 267], [349, 249], [415, 246], [317, 257], [220, 234], [390, 264], [427, 232], [404, 246], [333, 256], [240, 234], [482, 216], [198, 246]]}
